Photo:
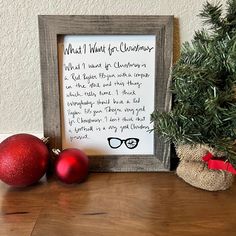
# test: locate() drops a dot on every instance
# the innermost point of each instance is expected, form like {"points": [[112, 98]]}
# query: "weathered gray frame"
{"points": [[52, 26]]}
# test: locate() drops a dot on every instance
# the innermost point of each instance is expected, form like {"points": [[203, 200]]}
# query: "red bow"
{"points": [[218, 164]]}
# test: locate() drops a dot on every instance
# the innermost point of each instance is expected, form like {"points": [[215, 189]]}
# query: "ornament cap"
{"points": [[56, 151], [45, 139]]}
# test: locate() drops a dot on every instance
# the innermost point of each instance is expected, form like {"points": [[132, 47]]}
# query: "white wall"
{"points": [[20, 82]]}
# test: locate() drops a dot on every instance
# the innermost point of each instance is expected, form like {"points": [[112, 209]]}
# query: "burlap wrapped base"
{"points": [[195, 172]]}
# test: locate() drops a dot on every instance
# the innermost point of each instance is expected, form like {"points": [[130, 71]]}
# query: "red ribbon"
{"points": [[218, 164]]}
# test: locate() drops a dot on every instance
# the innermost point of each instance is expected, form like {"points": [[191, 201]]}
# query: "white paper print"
{"points": [[107, 86]]}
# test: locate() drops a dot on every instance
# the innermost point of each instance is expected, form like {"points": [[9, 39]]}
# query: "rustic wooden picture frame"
{"points": [[52, 26]]}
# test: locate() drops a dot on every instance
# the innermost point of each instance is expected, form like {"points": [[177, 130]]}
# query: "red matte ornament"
{"points": [[218, 164], [72, 166], [23, 160]]}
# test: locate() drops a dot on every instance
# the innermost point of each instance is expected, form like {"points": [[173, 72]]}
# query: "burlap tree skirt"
{"points": [[195, 172]]}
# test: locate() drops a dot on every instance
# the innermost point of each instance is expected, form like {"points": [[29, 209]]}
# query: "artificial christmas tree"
{"points": [[204, 89]]}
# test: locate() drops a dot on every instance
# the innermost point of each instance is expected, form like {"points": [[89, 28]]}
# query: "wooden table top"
{"points": [[110, 204]]}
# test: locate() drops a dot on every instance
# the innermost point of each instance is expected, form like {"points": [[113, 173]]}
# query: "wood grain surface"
{"points": [[109, 204]]}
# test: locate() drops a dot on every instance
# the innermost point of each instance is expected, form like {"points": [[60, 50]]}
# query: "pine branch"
{"points": [[211, 15], [204, 86], [202, 36], [231, 12]]}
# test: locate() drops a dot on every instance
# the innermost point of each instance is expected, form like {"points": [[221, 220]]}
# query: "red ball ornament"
{"points": [[23, 160], [72, 166]]}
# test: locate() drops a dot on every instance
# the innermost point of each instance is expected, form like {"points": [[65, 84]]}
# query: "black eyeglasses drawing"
{"points": [[130, 143]]}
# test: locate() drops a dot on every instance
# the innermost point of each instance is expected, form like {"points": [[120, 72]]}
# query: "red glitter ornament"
{"points": [[23, 160], [72, 166]]}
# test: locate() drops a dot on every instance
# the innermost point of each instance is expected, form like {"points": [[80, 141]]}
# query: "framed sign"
{"points": [[102, 77]]}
